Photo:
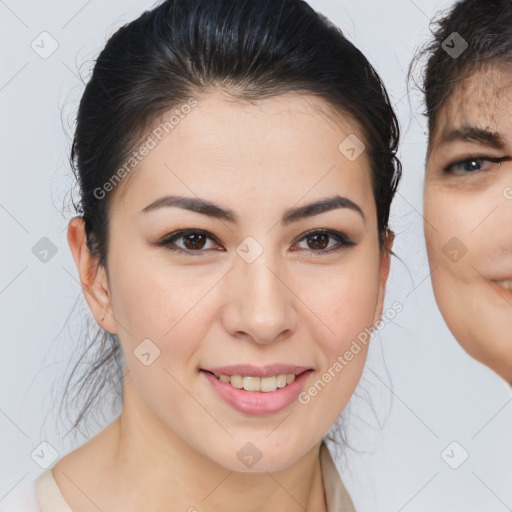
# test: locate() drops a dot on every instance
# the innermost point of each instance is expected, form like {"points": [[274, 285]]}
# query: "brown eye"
{"points": [[194, 241], [318, 241], [189, 242], [323, 241]]}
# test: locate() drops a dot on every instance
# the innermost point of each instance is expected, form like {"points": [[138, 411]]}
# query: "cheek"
{"points": [[346, 301], [440, 218], [462, 228], [449, 218], [166, 318], [347, 307], [162, 303]]}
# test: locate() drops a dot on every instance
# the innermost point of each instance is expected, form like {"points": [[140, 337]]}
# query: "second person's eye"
{"points": [[472, 164]]}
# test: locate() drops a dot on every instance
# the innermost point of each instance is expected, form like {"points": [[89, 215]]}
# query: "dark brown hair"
{"points": [[485, 27]]}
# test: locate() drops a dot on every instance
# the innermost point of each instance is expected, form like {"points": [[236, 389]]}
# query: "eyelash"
{"points": [[450, 169], [168, 241]]}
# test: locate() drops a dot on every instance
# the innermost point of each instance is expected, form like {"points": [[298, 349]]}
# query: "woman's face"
{"points": [[247, 285], [468, 217]]}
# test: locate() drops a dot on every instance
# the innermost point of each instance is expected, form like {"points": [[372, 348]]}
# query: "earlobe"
{"points": [[93, 278]]}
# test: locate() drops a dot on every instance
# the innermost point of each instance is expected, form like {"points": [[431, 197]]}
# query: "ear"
{"points": [[385, 263], [93, 277]]}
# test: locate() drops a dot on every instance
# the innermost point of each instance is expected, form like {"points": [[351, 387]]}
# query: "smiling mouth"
{"points": [[252, 383]]}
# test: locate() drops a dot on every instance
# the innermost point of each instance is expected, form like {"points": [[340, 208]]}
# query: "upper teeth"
{"points": [[258, 383]]}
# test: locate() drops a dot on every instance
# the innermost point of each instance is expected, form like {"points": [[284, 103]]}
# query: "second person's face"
{"points": [[468, 216]]}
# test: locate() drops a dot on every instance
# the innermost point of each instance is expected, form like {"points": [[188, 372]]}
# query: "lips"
{"points": [[269, 398]]}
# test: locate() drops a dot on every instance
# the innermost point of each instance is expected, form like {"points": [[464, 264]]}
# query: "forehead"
{"points": [[287, 144], [482, 101]]}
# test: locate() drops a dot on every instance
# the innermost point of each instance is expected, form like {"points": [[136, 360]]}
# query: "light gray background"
{"points": [[420, 391]]}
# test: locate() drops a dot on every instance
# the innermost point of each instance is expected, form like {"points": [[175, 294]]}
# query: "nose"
{"points": [[259, 302]]}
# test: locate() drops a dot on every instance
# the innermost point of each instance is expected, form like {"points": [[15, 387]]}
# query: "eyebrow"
{"points": [[468, 133], [213, 210]]}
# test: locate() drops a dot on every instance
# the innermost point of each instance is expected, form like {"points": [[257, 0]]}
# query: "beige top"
{"points": [[336, 496]]}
